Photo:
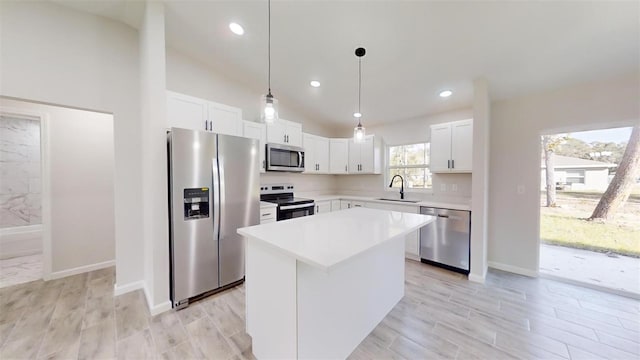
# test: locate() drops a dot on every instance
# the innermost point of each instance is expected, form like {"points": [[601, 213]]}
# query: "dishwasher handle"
{"points": [[443, 216]]}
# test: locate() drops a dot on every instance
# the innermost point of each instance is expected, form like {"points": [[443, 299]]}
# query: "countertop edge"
{"points": [[442, 205]]}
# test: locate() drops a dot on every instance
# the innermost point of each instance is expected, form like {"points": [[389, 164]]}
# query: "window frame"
{"points": [[388, 167]]}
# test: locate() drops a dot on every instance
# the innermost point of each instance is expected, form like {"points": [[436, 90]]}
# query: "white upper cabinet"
{"points": [[316, 154], [284, 132], [364, 158], [254, 130], [225, 119], [338, 156], [452, 146], [187, 112], [193, 113]]}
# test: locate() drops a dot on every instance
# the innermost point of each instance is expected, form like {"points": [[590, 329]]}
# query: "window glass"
{"points": [[412, 163]]}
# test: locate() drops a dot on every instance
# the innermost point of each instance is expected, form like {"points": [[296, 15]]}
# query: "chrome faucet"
{"points": [[401, 185]]}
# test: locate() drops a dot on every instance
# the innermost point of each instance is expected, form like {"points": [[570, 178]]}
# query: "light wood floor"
{"points": [[441, 316]]}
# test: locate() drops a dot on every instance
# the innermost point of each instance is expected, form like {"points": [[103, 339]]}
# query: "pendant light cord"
{"points": [[359, 87], [269, 42]]}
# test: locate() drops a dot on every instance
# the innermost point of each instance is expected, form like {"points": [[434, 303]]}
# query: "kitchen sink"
{"points": [[400, 200]]}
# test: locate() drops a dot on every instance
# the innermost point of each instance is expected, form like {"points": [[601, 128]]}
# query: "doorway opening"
{"points": [[590, 208], [21, 229]]}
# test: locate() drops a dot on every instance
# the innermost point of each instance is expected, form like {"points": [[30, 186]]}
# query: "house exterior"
{"points": [[578, 174]]}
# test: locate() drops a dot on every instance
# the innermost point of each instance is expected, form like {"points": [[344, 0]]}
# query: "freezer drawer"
{"points": [[446, 242]]}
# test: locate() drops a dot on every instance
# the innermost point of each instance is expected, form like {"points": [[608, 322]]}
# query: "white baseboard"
{"points": [[513, 269], [476, 278], [157, 309], [132, 286], [80, 270]]}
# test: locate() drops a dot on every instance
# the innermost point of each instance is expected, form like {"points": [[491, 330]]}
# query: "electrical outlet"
{"points": [[520, 189], [443, 187], [454, 187]]}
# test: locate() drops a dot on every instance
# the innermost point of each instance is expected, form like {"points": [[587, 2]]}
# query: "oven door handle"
{"points": [[300, 206]]}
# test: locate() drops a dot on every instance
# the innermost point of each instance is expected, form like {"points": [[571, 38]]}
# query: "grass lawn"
{"points": [[563, 225], [560, 229]]}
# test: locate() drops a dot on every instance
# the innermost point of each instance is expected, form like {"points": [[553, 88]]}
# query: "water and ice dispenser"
{"points": [[196, 203]]}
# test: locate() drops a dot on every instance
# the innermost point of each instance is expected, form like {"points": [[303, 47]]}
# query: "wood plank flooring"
{"points": [[442, 316]]}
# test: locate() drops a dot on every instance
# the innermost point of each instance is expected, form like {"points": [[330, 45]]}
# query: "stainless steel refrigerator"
{"points": [[213, 190]]}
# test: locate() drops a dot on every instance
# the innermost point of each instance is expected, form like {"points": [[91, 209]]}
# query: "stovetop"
{"points": [[281, 194], [288, 201]]}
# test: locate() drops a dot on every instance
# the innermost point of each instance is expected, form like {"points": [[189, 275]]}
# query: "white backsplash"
{"points": [[20, 179]]}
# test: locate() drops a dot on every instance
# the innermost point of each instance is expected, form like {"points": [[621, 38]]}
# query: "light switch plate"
{"points": [[443, 187], [520, 189], [454, 187]]}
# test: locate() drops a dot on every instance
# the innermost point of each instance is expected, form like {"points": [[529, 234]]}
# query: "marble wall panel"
{"points": [[20, 172]]}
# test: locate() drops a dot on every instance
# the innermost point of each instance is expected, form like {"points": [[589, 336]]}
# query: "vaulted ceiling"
{"points": [[414, 48]]}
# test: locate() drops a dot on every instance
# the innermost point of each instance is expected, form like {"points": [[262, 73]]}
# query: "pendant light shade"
{"points": [[359, 132], [269, 104], [269, 111]]}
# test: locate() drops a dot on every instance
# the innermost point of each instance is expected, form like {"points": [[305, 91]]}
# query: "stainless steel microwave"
{"points": [[285, 158]]}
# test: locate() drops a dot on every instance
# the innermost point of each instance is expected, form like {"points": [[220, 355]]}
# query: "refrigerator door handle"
{"points": [[216, 200]]}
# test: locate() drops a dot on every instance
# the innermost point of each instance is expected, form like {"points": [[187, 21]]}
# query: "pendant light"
{"points": [[359, 131], [269, 104]]}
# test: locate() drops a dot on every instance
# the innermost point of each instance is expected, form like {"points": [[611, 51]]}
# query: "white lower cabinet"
{"points": [[335, 205], [348, 204], [412, 244], [267, 214], [323, 207]]}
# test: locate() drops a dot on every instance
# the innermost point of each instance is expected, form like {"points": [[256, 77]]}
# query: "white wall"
{"points": [[480, 184], [54, 54], [154, 158], [81, 162], [516, 126], [408, 132], [189, 76]]}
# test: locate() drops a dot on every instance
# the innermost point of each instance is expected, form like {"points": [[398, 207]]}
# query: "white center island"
{"points": [[316, 286]]}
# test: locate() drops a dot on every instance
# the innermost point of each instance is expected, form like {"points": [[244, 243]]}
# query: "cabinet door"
{"points": [[323, 207], [366, 155], [440, 147], [276, 133], [254, 130], [354, 157], [462, 145], [225, 119], [294, 133], [322, 155], [335, 205], [309, 145], [338, 156], [186, 112]]}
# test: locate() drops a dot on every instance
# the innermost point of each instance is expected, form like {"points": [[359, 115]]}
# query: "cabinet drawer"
{"points": [[267, 215]]}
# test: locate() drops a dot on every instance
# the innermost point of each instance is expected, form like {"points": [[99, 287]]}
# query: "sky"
{"points": [[615, 135]]}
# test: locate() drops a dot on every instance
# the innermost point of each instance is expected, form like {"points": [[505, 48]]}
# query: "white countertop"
{"points": [[267, 205], [436, 204], [326, 240]]}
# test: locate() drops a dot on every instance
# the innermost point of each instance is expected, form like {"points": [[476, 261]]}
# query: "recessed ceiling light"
{"points": [[446, 93], [315, 83], [236, 28], [357, 115]]}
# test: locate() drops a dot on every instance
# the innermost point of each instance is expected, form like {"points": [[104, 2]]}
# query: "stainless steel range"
{"points": [[289, 206]]}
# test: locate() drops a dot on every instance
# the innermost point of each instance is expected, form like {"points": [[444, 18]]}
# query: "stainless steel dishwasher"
{"points": [[446, 242]]}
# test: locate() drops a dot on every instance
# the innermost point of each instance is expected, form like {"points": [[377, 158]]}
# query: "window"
{"points": [[575, 176], [412, 163]]}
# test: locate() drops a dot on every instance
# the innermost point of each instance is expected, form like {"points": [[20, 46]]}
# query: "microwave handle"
{"points": [[299, 159]]}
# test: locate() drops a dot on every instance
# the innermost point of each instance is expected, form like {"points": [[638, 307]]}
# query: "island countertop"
{"points": [[326, 240]]}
